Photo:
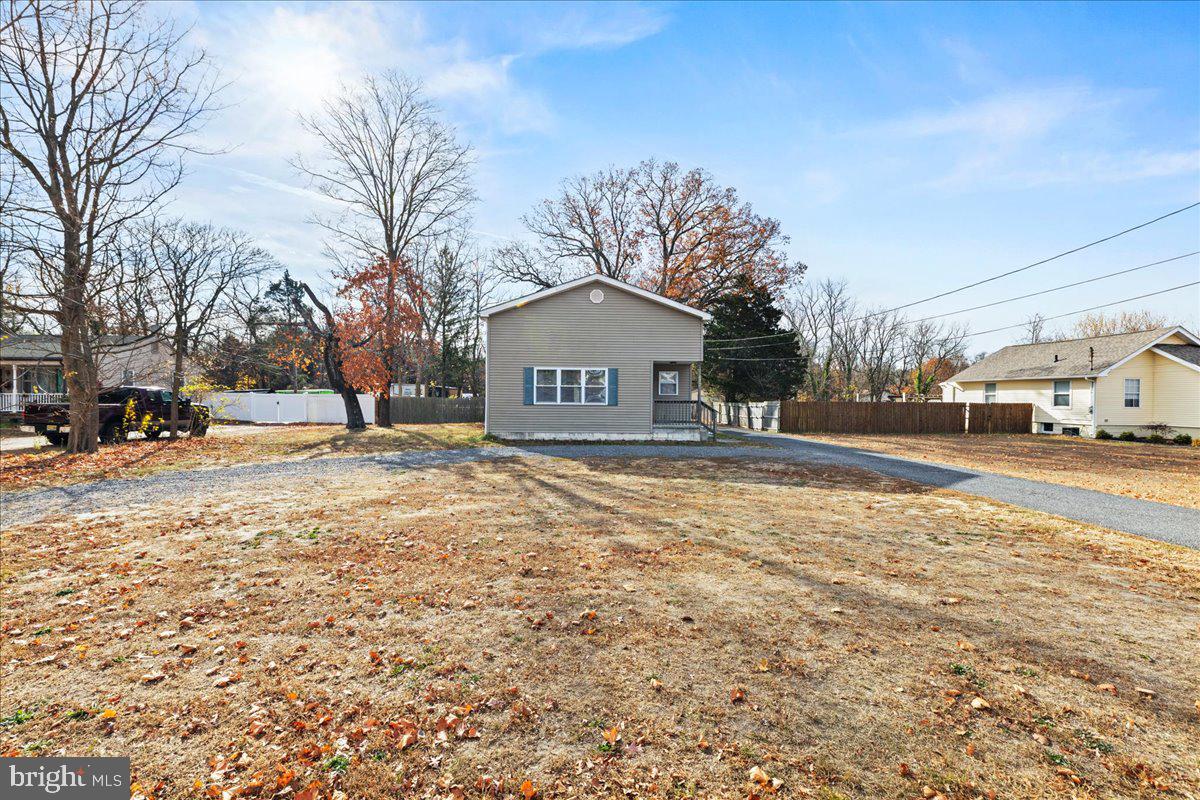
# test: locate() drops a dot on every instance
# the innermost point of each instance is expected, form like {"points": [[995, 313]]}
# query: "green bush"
{"points": [[1127, 436], [1155, 438], [1103, 434], [1183, 438]]}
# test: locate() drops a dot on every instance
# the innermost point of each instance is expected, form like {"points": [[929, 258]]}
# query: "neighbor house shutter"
{"points": [[529, 386], [612, 386]]}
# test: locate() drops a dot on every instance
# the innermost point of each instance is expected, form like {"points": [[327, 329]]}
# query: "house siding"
{"points": [[625, 332], [685, 381], [1170, 393], [1039, 393]]}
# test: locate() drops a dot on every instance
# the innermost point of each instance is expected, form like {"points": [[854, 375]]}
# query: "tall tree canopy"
{"points": [[752, 356], [674, 232]]}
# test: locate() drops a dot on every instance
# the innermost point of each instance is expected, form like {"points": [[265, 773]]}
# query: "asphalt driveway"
{"points": [[1166, 523]]}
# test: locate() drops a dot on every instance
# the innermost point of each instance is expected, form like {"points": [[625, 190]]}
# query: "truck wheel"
{"points": [[55, 438], [154, 433], [199, 429]]}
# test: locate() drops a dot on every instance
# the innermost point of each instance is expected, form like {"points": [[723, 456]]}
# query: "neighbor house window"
{"points": [[1133, 392], [1062, 393], [668, 383], [989, 393], [570, 385]]}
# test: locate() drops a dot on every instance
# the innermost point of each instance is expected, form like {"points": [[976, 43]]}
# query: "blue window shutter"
{"points": [[529, 386], [612, 386]]}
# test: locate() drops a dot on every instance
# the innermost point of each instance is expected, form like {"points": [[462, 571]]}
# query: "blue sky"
{"points": [[905, 148]]}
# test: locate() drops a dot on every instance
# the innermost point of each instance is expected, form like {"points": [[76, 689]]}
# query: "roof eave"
{"points": [[594, 278]]}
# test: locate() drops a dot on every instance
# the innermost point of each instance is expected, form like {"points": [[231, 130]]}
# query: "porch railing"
{"points": [[685, 413], [14, 403]]}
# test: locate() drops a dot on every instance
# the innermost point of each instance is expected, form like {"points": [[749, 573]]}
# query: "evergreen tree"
{"points": [[777, 371]]}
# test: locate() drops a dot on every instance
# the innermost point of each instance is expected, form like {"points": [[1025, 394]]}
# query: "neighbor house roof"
{"points": [[30, 347], [47, 347], [1187, 353], [595, 278], [1070, 358]]}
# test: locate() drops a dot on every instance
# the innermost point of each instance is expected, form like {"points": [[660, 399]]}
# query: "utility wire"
{"points": [[1108, 238], [998, 302], [1034, 264], [1019, 324], [1093, 308]]}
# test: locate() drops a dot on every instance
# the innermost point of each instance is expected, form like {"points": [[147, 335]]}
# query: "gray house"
{"points": [[595, 358]]}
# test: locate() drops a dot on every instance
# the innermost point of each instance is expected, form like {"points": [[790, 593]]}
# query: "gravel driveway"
{"points": [[1159, 521]]}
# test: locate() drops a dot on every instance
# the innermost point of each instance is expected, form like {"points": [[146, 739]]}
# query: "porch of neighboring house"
{"points": [[678, 411], [24, 382]]}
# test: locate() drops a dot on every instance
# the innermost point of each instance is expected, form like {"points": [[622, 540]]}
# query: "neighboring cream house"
{"points": [[595, 358], [1116, 383], [31, 366]]}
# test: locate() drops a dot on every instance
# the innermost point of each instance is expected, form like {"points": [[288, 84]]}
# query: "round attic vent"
{"points": [[596, 296]]}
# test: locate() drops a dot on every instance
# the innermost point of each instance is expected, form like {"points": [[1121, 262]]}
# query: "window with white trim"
{"points": [[668, 383], [570, 386], [989, 393], [1062, 393], [1133, 392]]}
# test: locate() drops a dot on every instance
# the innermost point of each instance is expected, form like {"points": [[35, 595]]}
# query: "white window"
{"points": [[1133, 392], [1062, 393], [408, 390], [570, 386], [989, 393], [668, 383]]}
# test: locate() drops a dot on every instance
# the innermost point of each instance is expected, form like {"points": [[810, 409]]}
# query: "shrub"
{"points": [[1155, 438], [1127, 436], [1158, 429], [1183, 438], [1103, 434]]}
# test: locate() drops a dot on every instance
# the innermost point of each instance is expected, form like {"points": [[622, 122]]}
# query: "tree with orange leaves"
{"points": [[674, 232], [378, 324]]}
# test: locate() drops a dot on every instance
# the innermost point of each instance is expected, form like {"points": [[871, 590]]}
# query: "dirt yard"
{"points": [[225, 445], [610, 628], [1165, 473]]}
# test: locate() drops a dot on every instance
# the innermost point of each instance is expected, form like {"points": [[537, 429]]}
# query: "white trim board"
{"points": [[584, 281], [1176, 359], [1178, 329]]}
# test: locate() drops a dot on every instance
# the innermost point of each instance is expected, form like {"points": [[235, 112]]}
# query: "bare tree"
{"points": [[592, 226], [196, 267], [321, 325], [821, 313], [99, 101], [933, 351], [1035, 329], [398, 171], [882, 340], [677, 233], [1101, 324]]}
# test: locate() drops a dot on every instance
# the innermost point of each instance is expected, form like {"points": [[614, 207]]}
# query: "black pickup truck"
{"points": [[123, 410]]}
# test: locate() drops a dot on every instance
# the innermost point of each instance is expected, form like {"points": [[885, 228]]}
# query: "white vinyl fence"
{"points": [[265, 407], [755, 416]]}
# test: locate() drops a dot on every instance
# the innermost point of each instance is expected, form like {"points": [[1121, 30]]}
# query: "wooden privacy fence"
{"points": [[436, 409], [999, 417], [797, 416]]}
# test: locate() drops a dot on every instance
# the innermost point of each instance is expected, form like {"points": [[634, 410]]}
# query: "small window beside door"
{"points": [[1133, 392], [668, 383], [989, 393], [1062, 394]]}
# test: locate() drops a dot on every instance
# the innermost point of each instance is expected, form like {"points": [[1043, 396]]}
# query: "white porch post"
{"points": [[14, 378]]}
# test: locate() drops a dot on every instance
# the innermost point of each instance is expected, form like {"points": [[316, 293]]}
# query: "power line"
{"points": [[1058, 288], [1019, 324], [752, 338], [1000, 302], [1093, 308], [1031, 266]]}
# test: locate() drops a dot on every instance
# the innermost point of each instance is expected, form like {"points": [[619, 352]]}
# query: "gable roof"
{"points": [[1187, 354], [594, 278], [1070, 358], [30, 347]]}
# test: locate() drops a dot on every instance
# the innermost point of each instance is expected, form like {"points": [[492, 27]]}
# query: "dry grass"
{"points": [[886, 638], [226, 445], [1165, 473]]}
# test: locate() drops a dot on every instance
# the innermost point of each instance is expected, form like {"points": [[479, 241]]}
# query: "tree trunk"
{"points": [[383, 410], [79, 362], [176, 384]]}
